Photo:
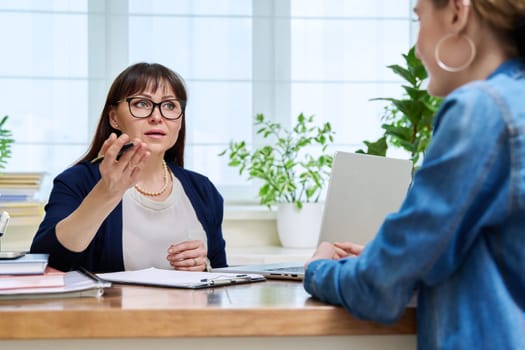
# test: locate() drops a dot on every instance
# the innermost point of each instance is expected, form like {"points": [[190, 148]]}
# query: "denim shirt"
{"points": [[458, 238]]}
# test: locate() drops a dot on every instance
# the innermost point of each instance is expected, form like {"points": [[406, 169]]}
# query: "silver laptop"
{"points": [[362, 190]]}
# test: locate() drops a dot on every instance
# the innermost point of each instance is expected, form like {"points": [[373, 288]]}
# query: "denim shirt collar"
{"points": [[511, 67]]}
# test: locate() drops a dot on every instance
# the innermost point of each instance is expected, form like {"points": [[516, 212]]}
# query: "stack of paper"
{"points": [[51, 284], [20, 186], [51, 278], [23, 209], [179, 279], [18, 197]]}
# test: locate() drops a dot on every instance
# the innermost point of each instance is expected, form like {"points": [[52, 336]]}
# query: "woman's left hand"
{"points": [[188, 256], [335, 251], [325, 250]]}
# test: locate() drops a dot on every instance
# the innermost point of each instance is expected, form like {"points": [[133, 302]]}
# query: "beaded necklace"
{"points": [[164, 187]]}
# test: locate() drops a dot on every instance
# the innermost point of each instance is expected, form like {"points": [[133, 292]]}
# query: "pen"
{"points": [[220, 281], [124, 148], [92, 275]]}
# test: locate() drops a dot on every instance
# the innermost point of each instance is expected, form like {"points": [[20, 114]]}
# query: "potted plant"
{"points": [[292, 178], [5, 143], [407, 121]]}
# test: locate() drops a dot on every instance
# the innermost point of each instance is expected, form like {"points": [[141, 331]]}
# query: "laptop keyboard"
{"points": [[290, 269]]}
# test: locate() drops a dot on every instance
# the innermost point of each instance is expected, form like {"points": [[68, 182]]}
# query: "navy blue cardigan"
{"points": [[104, 253]]}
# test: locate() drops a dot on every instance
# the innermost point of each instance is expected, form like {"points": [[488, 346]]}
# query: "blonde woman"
{"points": [[459, 237]]}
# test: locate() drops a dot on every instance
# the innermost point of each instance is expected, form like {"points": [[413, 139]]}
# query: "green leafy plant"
{"points": [[407, 121], [288, 173], [5, 143]]}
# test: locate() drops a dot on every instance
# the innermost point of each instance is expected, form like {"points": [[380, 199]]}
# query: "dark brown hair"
{"points": [[136, 79]]}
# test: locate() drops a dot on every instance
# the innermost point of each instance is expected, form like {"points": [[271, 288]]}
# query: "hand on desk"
{"points": [[345, 249], [188, 256], [336, 250]]}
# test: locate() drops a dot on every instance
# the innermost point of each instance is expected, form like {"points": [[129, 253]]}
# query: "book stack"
{"points": [[17, 196], [27, 264], [19, 187]]}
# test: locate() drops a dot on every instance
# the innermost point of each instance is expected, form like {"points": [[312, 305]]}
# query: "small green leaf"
{"points": [[408, 120], [6, 142]]}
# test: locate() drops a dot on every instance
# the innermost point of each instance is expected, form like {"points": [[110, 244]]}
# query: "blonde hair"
{"points": [[501, 15], [505, 17]]}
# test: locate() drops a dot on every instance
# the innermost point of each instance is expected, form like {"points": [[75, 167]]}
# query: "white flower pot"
{"points": [[299, 228]]}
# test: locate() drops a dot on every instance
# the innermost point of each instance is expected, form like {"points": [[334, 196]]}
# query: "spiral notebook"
{"points": [[362, 190]]}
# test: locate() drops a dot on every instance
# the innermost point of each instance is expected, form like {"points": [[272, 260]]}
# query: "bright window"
{"points": [[238, 57]]}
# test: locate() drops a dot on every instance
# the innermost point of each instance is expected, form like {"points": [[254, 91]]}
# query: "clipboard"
{"points": [[179, 279]]}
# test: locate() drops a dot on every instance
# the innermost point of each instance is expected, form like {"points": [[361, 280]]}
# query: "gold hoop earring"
{"points": [[459, 68]]}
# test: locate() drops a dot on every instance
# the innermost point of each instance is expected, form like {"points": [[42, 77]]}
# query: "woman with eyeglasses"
{"points": [[129, 203], [458, 239]]}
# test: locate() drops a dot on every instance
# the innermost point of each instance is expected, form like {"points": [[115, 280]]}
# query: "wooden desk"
{"points": [[279, 314]]}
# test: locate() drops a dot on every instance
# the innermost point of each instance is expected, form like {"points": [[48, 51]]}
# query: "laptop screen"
{"points": [[362, 190]]}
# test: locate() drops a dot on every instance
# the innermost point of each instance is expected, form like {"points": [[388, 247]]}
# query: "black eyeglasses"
{"points": [[142, 107]]}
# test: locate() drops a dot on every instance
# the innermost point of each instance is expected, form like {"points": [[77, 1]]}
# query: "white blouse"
{"points": [[150, 227]]}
